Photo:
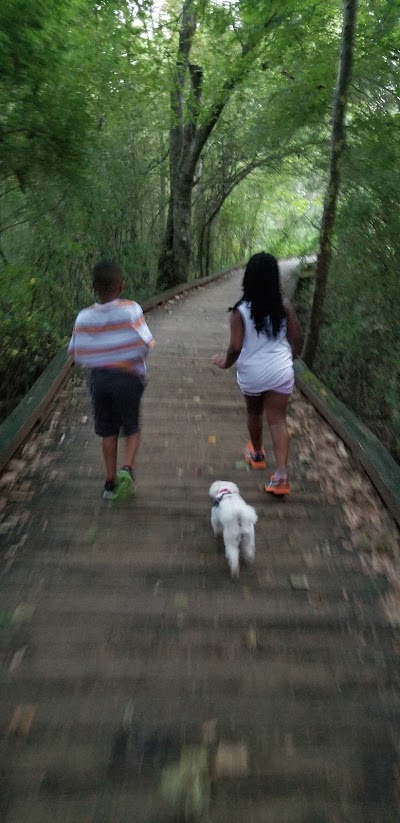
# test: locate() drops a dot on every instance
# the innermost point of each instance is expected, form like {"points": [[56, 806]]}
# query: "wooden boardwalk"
{"points": [[124, 643]]}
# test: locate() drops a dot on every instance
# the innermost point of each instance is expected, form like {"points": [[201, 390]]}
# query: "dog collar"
{"points": [[221, 494]]}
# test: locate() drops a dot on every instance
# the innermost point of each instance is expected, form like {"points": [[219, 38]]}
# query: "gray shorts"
{"points": [[116, 396]]}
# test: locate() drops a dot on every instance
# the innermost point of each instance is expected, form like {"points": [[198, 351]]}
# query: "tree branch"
{"points": [[338, 141], [36, 218], [228, 87]]}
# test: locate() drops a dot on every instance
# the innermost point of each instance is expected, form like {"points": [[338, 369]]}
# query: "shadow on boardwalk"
{"points": [[139, 685]]}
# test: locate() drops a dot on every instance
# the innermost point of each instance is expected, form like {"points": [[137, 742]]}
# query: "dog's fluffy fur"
{"points": [[235, 520]]}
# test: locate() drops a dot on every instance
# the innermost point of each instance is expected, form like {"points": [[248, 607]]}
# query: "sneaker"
{"points": [[255, 459], [125, 483], [277, 486], [110, 490]]}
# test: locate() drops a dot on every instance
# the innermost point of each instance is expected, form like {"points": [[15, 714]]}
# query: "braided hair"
{"points": [[261, 289]]}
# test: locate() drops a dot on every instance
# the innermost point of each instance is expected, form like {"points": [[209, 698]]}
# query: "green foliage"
{"points": [[359, 351], [28, 338], [43, 115], [359, 354], [84, 168]]}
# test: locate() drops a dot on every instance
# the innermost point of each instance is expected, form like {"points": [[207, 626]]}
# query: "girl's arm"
{"points": [[294, 333], [235, 345]]}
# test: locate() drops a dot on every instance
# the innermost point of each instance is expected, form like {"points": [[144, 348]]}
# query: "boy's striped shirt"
{"points": [[112, 335]]}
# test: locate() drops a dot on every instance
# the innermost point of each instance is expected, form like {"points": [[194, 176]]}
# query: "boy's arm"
{"points": [[71, 345], [141, 328]]}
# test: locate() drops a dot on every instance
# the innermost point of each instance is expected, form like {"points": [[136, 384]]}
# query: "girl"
{"points": [[265, 337]]}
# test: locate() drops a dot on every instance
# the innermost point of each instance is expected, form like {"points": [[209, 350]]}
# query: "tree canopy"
{"points": [[179, 136]]}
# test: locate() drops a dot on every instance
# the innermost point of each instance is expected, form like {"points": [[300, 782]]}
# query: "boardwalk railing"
{"points": [[381, 468], [33, 407]]}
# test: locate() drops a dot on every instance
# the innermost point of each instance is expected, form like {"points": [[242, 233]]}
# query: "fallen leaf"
{"points": [[316, 601], [251, 639], [8, 479], [16, 465], [299, 582], [17, 659], [23, 613], [181, 601], [22, 720], [209, 731], [330, 437], [187, 783], [241, 465], [30, 451], [231, 760], [341, 449]]}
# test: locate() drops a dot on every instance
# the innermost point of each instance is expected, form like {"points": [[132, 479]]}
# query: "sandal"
{"points": [[255, 459], [277, 487]]}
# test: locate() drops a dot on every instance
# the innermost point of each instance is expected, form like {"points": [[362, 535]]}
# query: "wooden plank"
{"points": [[159, 299], [380, 466], [33, 407]]}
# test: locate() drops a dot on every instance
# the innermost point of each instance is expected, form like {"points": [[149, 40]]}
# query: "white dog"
{"points": [[235, 520]]}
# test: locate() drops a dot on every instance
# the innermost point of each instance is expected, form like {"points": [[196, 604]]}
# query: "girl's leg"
{"points": [[255, 409], [275, 411]]}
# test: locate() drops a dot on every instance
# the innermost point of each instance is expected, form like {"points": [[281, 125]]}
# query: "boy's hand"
{"points": [[219, 360]]}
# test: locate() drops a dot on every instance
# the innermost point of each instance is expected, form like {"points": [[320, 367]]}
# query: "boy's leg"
{"points": [[110, 450], [131, 390], [127, 399], [132, 442], [105, 424]]}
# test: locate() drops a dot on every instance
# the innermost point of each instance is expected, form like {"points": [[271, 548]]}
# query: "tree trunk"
{"points": [[166, 264], [189, 134], [173, 264], [163, 195], [182, 224], [208, 248], [174, 260], [338, 141]]}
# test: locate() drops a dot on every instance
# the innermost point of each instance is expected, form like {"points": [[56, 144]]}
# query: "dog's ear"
{"points": [[232, 487], [214, 488]]}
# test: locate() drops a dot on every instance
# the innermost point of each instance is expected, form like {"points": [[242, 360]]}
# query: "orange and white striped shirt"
{"points": [[111, 335]]}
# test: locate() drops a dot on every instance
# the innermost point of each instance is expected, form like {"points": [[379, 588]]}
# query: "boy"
{"points": [[112, 339]]}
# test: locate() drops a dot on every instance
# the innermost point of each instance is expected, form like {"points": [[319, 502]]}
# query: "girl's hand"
{"points": [[219, 360]]}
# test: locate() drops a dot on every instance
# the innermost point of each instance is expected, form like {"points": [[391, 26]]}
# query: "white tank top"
{"points": [[265, 363]]}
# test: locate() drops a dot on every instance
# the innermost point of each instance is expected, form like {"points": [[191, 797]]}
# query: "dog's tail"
{"points": [[251, 515]]}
